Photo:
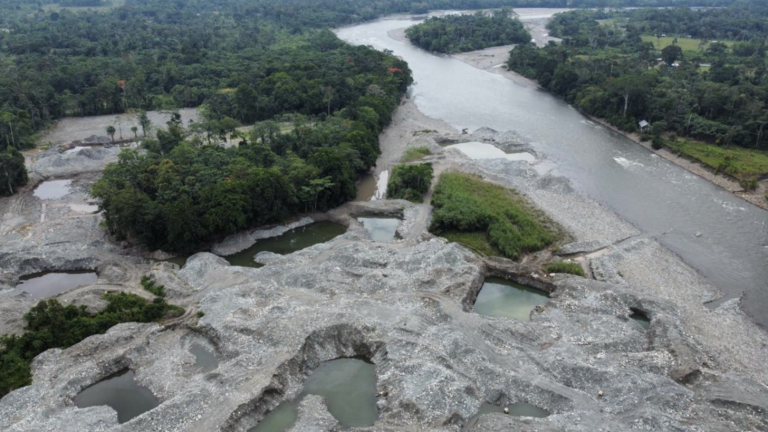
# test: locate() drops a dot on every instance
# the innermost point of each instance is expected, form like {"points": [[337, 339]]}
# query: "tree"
{"points": [[144, 122], [135, 131], [13, 173], [111, 131], [671, 54]]}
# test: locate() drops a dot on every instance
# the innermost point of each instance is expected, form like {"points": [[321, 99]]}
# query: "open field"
{"points": [[685, 43], [744, 164]]}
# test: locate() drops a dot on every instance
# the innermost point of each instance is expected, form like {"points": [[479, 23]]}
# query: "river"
{"points": [[722, 236]]}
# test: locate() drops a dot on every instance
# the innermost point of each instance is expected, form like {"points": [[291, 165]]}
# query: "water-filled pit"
{"points": [[380, 229], [205, 359], [641, 318], [290, 241], [348, 386], [49, 284], [53, 189], [519, 409], [122, 393], [503, 298]]}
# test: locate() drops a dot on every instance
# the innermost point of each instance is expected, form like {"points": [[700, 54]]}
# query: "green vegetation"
{"points": [[13, 173], [415, 153], [711, 93], [409, 182], [685, 44], [489, 218], [743, 164], [149, 285], [186, 190], [565, 267], [460, 33], [49, 324]]}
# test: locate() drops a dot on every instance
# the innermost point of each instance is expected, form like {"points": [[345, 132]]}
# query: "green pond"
{"points": [[503, 298], [122, 393], [518, 409], [380, 229], [349, 388], [49, 284], [290, 241]]}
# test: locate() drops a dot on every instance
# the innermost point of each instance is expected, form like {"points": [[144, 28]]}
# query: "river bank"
{"points": [[494, 60]]}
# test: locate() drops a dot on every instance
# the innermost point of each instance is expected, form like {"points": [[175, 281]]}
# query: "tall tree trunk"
{"points": [[626, 103]]}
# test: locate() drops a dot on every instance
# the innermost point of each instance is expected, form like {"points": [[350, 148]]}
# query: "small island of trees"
{"points": [[462, 33]]}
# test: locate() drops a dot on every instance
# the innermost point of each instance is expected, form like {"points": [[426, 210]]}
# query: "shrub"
{"points": [[409, 182], [748, 185], [565, 267], [149, 285], [657, 143], [496, 218]]}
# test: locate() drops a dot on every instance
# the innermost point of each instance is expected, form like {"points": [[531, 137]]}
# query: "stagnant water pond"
{"points": [[641, 318], [519, 409], [49, 284], [53, 189], [348, 386], [655, 195], [290, 241], [380, 229], [205, 359], [122, 393], [503, 298]]}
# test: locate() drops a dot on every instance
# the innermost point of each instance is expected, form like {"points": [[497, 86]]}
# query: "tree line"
{"points": [[461, 33], [713, 92]]}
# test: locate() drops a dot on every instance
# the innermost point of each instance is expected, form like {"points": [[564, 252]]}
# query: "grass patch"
{"points": [[489, 218], [565, 267], [686, 44], [409, 182], [741, 163], [149, 285], [415, 153], [49, 324]]}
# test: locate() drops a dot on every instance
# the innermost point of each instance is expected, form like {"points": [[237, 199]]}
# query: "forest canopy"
{"points": [[461, 33], [184, 192]]}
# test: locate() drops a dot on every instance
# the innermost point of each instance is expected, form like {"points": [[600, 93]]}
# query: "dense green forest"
{"points": [[49, 324], [712, 91], [461, 33], [91, 57], [183, 192]]}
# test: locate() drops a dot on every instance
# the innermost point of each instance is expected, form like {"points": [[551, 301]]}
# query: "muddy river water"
{"points": [[660, 198]]}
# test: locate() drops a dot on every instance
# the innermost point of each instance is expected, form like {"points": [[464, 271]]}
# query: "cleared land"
{"points": [[685, 43], [744, 164]]}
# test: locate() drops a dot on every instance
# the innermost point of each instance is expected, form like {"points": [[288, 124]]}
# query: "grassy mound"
{"points": [[415, 153], [488, 218], [565, 267]]}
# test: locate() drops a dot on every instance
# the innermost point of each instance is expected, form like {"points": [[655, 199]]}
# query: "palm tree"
{"points": [[111, 131]]}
